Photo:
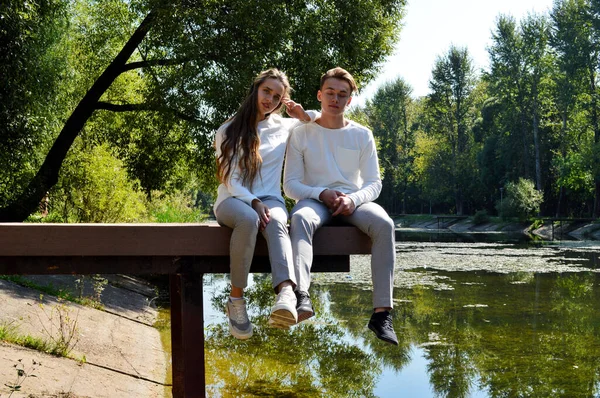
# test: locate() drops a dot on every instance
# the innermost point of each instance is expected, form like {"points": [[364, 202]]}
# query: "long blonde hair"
{"points": [[241, 135]]}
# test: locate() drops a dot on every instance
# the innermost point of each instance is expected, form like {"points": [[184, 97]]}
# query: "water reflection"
{"points": [[472, 319]]}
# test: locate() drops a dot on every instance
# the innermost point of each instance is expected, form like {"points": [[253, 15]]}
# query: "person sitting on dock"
{"points": [[332, 171]]}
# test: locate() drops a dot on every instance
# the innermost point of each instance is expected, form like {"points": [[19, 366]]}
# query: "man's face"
{"points": [[334, 96]]}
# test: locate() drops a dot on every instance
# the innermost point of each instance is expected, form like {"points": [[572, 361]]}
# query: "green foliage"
{"points": [[60, 328], [534, 114], [218, 49], [574, 174], [519, 83], [178, 207], [61, 294], [189, 74], [450, 117], [481, 217], [31, 65], [95, 187], [522, 200], [536, 223], [8, 330], [390, 115], [432, 165]]}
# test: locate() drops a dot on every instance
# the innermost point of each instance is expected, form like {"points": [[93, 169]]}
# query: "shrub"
{"points": [[177, 207], [94, 187], [481, 217], [522, 200]]}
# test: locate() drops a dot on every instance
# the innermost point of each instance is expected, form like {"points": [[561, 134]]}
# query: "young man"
{"points": [[332, 171]]}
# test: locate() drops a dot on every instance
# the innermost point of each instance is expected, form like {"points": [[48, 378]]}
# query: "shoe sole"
{"points": [[382, 338], [237, 333], [282, 319], [304, 315]]}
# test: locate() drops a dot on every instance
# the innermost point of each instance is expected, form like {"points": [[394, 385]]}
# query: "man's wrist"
{"points": [[321, 194]]}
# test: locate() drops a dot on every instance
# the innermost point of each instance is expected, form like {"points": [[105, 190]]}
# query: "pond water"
{"points": [[474, 319]]}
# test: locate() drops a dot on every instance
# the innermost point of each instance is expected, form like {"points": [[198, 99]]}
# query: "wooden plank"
{"points": [[60, 265], [55, 265], [22, 239]]}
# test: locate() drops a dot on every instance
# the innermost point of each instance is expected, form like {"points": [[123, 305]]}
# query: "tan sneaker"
{"points": [[283, 313]]}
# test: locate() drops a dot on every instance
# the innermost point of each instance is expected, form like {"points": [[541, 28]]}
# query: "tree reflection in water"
{"points": [[504, 335], [312, 359]]}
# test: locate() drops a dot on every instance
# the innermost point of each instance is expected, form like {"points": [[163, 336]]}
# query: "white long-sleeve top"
{"points": [[343, 159], [273, 133]]}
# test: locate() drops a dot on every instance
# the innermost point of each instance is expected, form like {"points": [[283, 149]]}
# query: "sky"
{"points": [[431, 26]]}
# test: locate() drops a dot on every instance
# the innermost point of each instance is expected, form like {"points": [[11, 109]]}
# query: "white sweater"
{"points": [[273, 133], [343, 159]]}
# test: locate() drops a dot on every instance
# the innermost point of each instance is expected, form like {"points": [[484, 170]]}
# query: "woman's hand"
{"points": [[264, 214], [295, 110]]}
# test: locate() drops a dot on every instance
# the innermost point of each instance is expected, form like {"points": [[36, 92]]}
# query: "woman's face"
{"points": [[270, 93]]}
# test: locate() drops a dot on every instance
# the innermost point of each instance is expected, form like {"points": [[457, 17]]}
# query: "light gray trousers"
{"points": [[239, 216], [308, 215]]}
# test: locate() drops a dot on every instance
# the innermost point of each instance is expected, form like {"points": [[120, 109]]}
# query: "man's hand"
{"points": [[329, 198], [295, 110], [264, 214], [344, 206]]}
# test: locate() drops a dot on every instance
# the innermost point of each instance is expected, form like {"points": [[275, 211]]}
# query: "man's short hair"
{"points": [[339, 73]]}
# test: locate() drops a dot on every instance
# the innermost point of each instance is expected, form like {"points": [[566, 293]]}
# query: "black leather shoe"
{"points": [[304, 306], [381, 324]]}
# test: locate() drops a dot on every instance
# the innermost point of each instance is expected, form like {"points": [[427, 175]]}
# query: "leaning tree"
{"points": [[198, 58]]}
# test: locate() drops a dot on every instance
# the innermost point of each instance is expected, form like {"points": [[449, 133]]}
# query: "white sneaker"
{"points": [[283, 313], [239, 324]]}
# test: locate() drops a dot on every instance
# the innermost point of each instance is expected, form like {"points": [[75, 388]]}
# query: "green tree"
{"points": [[196, 63], [451, 117], [518, 82], [31, 64], [535, 31], [576, 40], [432, 169], [390, 114], [506, 80], [94, 187]]}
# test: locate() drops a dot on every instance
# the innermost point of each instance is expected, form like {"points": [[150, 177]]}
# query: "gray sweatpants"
{"points": [[308, 215], [242, 218]]}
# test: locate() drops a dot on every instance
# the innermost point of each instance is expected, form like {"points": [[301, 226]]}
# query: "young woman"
{"points": [[250, 149]]}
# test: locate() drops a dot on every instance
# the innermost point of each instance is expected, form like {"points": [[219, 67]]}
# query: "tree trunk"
{"points": [[47, 175], [558, 204], [536, 144], [404, 195], [525, 145], [596, 158], [563, 151], [459, 202], [596, 199]]}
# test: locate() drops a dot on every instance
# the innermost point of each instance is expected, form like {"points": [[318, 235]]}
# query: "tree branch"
{"points": [[47, 176], [144, 107], [153, 62]]}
